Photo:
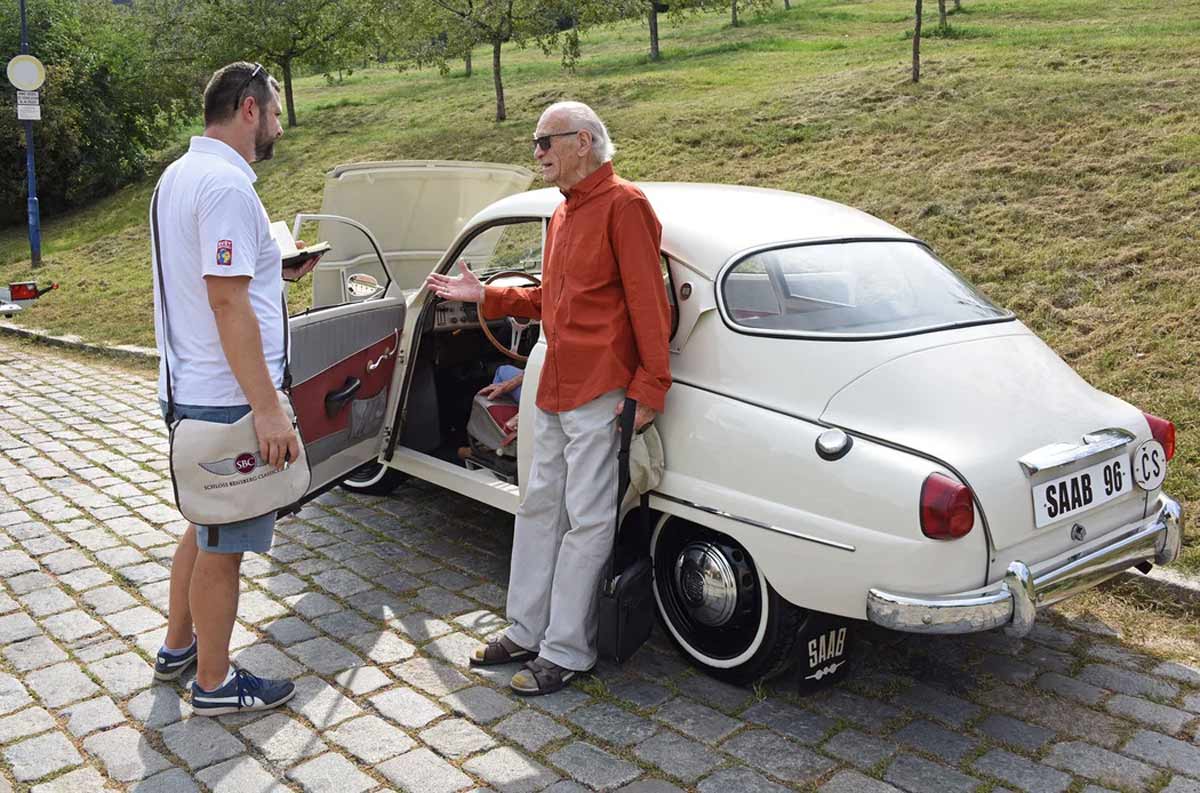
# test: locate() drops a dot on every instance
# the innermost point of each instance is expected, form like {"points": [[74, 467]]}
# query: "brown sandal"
{"points": [[498, 651], [541, 677]]}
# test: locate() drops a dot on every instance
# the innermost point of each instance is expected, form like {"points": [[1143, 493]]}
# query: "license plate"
{"points": [[1083, 490]]}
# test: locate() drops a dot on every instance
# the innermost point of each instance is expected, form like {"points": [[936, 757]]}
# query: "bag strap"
{"points": [[162, 298], [627, 423], [162, 303]]}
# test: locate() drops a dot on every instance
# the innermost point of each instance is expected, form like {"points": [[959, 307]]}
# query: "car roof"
{"points": [[706, 224]]}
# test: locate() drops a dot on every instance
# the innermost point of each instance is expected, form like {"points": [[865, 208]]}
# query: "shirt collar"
{"points": [[591, 182], [206, 145]]}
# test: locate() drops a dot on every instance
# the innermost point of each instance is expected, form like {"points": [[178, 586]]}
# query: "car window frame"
{"points": [[737, 327]]}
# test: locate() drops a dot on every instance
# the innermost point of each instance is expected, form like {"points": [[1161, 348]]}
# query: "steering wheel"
{"points": [[517, 327]]}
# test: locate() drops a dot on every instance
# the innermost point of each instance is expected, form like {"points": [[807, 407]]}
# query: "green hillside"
{"points": [[1051, 153]]}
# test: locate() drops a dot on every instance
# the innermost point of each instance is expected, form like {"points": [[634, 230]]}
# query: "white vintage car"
{"points": [[853, 430]]}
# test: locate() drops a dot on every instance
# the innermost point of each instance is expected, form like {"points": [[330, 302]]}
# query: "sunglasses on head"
{"points": [[237, 98], [544, 142]]}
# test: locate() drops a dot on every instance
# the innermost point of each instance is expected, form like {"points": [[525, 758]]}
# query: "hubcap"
{"points": [[706, 581]]}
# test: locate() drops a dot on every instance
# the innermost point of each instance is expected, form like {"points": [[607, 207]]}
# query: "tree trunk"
{"points": [[958, 5], [787, 5], [467, 63], [916, 74], [654, 54], [500, 113], [733, 10], [286, 65], [942, 13]]}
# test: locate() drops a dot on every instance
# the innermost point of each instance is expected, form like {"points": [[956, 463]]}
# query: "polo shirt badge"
{"points": [[225, 252]]}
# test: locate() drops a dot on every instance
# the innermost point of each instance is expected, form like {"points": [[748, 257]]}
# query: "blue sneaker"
{"points": [[170, 665], [242, 694]]}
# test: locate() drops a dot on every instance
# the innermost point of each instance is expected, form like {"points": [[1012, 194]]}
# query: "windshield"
{"points": [[848, 289], [511, 246]]}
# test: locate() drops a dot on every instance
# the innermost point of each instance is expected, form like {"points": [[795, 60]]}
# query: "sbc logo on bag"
{"points": [[244, 463]]}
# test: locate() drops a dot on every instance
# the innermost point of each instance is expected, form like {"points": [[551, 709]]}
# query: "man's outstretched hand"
{"points": [[465, 288], [641, 417]]}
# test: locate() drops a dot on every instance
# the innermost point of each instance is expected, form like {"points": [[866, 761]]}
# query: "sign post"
{"points": [[27, 74]]}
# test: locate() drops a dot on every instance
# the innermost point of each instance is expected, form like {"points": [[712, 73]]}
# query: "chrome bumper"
{"points": [[1014, 601]]}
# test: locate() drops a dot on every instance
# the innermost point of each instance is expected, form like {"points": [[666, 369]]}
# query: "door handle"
{"points": [[336, 400]]}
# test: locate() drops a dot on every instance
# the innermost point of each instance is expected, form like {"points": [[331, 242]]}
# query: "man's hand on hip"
{"points": [[277, 442], [465, 288], [641, 417]]}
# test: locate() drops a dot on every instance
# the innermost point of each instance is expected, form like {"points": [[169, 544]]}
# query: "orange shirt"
{"points": [[602, 302]]}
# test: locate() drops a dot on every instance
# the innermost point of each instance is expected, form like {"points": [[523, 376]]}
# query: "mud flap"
{"points": [[823, 652]]}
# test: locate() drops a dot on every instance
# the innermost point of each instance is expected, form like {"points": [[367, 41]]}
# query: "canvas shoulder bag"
{"points": [[219, 475]]}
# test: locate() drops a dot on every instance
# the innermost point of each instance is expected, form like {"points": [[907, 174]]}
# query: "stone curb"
{"points": [[129, 351]]}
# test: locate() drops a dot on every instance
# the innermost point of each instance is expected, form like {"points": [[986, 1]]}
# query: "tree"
{"points": [[111, 97], [284, 34], [916, 66], [757, 5], [467, 23], [942, 13]]}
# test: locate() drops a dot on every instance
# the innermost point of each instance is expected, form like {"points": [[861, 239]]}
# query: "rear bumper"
{"points": [[1013, 602]]}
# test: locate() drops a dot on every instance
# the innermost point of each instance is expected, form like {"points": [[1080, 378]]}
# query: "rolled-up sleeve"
{"points": [[637, 236], [512, 301]]}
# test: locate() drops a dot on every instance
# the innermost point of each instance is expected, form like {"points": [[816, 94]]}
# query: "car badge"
{"points": [[1078, 532]]}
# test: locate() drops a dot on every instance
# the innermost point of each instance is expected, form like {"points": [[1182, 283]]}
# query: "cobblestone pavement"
{"points": [[371, 605]]}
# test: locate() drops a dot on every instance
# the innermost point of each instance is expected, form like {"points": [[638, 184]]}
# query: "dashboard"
{"points": [[455, 315]]}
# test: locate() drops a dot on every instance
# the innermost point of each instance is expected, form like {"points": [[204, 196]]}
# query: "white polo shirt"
{"points": [[211, 223]]}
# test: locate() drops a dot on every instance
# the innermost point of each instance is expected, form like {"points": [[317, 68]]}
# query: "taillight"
{"points": [[1163, 432], [947, 509], [23, 291]]}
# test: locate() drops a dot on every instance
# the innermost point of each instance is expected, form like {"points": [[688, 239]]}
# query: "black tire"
{"points": [[755, 639], [373, 479]]}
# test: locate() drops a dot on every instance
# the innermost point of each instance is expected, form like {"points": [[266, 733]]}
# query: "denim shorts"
{"points": [[252, 535]]}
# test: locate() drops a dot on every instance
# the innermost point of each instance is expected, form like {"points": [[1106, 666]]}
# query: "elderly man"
{"points": [[604, 313]]}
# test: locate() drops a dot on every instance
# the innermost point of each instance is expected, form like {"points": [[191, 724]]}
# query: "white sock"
{"points": [[223, 683], [173, 651]]}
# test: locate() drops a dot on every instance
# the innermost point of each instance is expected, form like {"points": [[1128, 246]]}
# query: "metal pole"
{"points": [[35, 223]]}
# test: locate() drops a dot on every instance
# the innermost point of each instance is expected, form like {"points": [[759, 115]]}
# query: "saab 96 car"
{"points": [[853, 430]]}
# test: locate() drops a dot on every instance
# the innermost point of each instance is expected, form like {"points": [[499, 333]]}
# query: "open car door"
{"points": [[343, 364], [388, 223]]}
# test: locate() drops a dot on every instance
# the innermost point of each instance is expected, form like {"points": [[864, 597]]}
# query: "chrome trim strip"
{"points": [[757, 524], [1061, 455], [1013, 602]]}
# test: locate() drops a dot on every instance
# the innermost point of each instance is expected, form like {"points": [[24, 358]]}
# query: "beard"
{"points": [[264, 142]]}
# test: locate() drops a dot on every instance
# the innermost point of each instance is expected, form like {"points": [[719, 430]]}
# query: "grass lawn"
{"points": [[1050, 153]]}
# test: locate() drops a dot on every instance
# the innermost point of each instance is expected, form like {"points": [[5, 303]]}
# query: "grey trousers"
{"points": [[564, 532]]}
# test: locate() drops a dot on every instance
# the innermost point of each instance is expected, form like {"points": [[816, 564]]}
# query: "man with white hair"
{"points": [[605, 318]]}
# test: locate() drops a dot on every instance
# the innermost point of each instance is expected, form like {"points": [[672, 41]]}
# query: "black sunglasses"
{"points": [[543, 142], [237, 98]]}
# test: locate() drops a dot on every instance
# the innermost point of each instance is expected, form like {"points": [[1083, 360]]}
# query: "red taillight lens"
{"points": [[1163, 432], [947, 509], [23, 291]]}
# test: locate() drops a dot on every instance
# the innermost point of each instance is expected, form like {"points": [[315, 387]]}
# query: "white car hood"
{"points": [[415, 208], [979, 406]]}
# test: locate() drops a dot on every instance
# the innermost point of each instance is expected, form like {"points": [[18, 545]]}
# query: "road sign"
{"points": [[26, 72], [27, 97], [29, 112]]}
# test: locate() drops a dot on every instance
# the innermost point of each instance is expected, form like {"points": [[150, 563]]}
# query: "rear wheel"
{"points": [[373, 479], [717, 606]]}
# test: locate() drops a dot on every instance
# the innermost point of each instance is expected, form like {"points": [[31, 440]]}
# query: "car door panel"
{"points": [[352, 351]]}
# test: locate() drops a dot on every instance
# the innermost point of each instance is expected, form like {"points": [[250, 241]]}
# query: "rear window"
{"points": [[849, 289]]}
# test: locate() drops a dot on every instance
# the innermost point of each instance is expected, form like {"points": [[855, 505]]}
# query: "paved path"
{"points": [[372, 605]]}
